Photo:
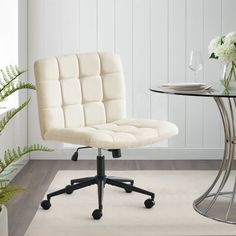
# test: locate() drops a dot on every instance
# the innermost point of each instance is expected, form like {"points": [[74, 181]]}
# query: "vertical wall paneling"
{"points": [[20, 133], [212, 73], [123, 46], [159, 33], [36, 31], [194, 41], [88, 26], [141, 58], [53, 27], [106, 25], [177, 65], [70, 26], [228, 16]]}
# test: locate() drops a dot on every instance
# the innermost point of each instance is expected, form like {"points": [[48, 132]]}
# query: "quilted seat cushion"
{"points": [[123, 133]]}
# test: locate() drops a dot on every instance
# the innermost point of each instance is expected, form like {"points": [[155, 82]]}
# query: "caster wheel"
{"points": [[128, 190], [45, 204], [97, 214], [68, 189], [149, 203]]}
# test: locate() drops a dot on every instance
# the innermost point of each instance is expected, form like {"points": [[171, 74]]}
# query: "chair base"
{"points": [[100, 180]]}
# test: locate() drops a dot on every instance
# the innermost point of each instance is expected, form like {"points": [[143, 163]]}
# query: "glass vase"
{"points": [[229, 75]]}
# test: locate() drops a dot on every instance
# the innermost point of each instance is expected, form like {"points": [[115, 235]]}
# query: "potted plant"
{"points": [[9, 84]]}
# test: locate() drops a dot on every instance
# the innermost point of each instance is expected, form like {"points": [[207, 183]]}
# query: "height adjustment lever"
{"points": [[76, 153]]}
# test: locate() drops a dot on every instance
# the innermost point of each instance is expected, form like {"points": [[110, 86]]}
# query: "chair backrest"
{"points": [[79, 90]]}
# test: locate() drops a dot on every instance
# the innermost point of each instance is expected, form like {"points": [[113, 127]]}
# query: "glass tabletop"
{"points": [[217, 90]]}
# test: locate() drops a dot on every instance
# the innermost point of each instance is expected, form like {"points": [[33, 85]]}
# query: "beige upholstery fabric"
{"points": [[118, 134], [81, 100]]}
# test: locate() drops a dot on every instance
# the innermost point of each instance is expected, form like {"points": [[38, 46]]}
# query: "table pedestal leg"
{"points": [[219, 201]]}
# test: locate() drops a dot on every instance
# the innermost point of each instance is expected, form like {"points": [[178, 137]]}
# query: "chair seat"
{"points": [[125, 133]]}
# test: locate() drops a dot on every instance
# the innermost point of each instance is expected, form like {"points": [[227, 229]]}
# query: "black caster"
{"points": [[68, 189], [129, 190], [149, 203], [45, 204], [97, 214]]}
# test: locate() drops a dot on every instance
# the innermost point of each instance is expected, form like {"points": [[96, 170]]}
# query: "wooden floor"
{"points": [[36, 177]]}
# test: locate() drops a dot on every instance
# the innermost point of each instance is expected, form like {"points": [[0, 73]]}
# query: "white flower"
{"points": [[230, 38], [214, 44], [226, 52], [223, 48]]}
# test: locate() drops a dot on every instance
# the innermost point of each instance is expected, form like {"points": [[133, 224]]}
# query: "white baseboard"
{"points": [[135, 154], [20, 165]]}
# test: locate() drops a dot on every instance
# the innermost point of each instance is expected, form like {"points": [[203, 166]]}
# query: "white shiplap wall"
{"points": [[154, 39]]}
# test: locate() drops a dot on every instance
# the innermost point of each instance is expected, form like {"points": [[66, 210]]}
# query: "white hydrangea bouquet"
{"points": [[224, 49]]}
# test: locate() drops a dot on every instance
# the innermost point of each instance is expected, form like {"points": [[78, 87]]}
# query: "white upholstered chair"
{"points": [[81, 100]]}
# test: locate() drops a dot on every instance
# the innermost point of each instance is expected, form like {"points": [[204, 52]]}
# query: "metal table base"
{"points": [[219, 202]]}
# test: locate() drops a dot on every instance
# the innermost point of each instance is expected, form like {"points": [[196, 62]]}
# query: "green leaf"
{"points": [[13, 87], [11, 156], [10, 74], [10, 114], [8, 191], [222, 40], [213, 56]]}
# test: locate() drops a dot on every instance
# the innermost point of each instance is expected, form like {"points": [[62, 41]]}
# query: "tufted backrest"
{"points": [[79, 90]]}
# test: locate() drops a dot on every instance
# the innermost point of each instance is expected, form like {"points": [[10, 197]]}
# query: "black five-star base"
{"points": [[101, 180]]}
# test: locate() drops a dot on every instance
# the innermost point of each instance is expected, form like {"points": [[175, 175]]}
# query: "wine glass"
{"points": [[195, 63]]}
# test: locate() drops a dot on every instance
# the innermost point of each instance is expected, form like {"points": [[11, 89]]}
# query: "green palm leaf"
{"points": [[8, 191], [8, 75], [11, 156], [10, 114], [13, 87]]}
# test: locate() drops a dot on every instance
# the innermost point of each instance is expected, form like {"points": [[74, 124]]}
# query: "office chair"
{"points": [[81, 100]]}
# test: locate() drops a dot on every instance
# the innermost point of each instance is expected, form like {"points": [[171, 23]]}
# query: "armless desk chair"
{"points": [[81, 100]]}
